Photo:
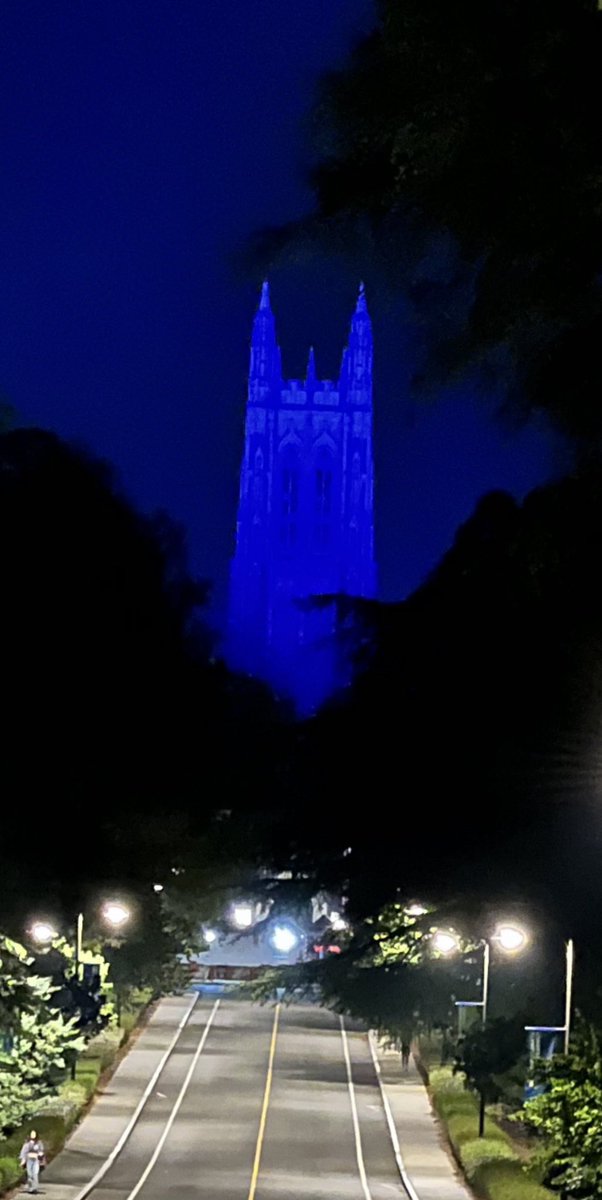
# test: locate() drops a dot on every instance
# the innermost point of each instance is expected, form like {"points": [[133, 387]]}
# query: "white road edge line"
{"points": [[176, 1108], [356, 1124], [118, 1147], [405, 1179]]}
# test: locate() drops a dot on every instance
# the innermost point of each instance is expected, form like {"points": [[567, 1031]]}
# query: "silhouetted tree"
{"points": [[458, 156]]}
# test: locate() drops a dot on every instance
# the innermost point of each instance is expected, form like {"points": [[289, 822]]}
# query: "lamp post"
{"points": [[568, 992], [511, 940], [508, 937]]}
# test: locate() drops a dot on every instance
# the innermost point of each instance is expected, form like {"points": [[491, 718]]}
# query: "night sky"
{"points": [[142, 143]]}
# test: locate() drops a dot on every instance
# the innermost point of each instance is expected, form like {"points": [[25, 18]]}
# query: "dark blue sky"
{"points": [[141, 144]]}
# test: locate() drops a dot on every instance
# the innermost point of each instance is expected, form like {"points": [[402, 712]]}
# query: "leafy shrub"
{"points": [[64, 1107], [10, 1171], [87, 1074], [104, 1047], [490, 1163], [73, 1091], [508, 1181], [485, 1150], [444, 1082], [51, 1129]]}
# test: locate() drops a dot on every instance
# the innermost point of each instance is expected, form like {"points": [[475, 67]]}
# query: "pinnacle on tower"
{"points": [[355, 379], [310, 374], [265, 355]]}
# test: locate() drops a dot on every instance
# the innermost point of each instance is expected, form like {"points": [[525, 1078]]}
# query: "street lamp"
{"points": [[510, 938], [415, 910], [242, 915], [284, 939], [115, 914], [445, 941], [568, 991], [43, 933]]}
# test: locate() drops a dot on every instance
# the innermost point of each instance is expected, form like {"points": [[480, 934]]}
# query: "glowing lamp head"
{"points": [[210, 936], [415, 910], [242, 915], [157, 887], [115, 914], [445, 942], [510, 938], [284, 939], [43, 932], [338, 923]]}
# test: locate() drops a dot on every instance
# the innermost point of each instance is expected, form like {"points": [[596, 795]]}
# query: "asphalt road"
{"points": [[253, 1104]]}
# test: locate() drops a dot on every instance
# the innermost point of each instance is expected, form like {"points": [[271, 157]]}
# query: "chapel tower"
{"points": [[305, 518]]}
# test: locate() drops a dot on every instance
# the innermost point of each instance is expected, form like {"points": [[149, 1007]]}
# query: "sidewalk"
{"points": [[93, 1140], [428, 1163]]}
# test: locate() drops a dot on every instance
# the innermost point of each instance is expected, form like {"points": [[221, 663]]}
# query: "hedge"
{"points": [[491, 1164]]}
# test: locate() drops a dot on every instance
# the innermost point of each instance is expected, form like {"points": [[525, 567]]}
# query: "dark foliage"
{"points": [[118, 723], [458, 156], [466, 759]]}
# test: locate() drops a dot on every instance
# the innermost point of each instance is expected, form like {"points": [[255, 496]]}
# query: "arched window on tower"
{"points": [[289, 502], [323, 486]]}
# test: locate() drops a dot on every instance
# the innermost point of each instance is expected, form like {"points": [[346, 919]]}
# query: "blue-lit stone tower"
{"points": [[305, 518]]}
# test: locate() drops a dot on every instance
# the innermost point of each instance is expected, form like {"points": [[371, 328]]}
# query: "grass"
{"points": [[491, 1163]]}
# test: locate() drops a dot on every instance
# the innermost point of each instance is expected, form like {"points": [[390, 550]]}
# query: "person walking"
{"points": [[32, 1157], [405, 1055]]}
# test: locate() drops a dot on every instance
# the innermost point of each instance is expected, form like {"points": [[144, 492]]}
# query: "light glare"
{"points": [[511, 938], [284, 939], [445, 942], [242, 915], [115, 914], [41, 931], [337, 921]]}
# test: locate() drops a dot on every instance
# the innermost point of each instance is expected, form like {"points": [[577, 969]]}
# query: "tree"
{"points": [[384, 973], [569, 1116], [458, 155], [488, 1052], [37, 1039], [16, 994], [117, 704]]}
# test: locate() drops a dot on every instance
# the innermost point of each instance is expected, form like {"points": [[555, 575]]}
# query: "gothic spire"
{"points": [[310, 374], [356, 367], [265, 355]]}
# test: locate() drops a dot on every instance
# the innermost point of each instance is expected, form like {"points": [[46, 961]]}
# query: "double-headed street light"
{"points": [[509, 938], [113, 912]]}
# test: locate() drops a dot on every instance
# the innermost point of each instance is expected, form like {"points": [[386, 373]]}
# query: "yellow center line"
{"points": [[264, 1110]]}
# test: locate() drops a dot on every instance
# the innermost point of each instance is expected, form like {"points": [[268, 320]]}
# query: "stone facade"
{"points": [[305, 518]]}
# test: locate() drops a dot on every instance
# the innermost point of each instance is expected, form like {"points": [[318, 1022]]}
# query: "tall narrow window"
{"points": [[289, 505], [323, 492], [322, 507], [290, 492]]}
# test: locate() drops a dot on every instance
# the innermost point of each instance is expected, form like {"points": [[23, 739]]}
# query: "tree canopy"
{"points": [[116, 710], [457, 156]]}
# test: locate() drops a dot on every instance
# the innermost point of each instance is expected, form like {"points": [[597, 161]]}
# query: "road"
{"points": [[254, 1103]]}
